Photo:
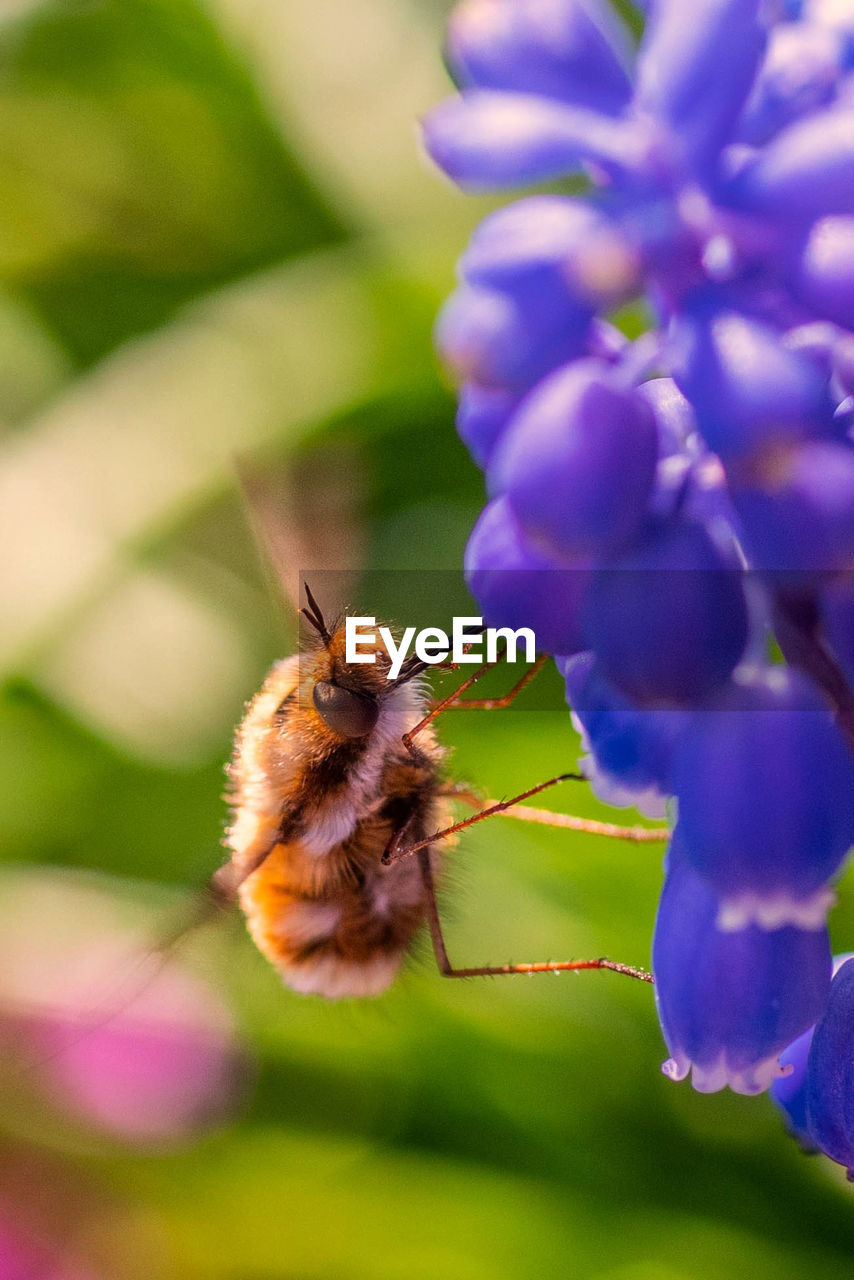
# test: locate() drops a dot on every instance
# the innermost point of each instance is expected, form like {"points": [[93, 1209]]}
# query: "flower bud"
{"points": [[668, 618], [510, 339], [578, 462], [695, 73], [747, 389], [484, 139], [516, 585], [789, 1092], [573, 50]]}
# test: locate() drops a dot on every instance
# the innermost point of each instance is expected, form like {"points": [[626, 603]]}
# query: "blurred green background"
{"points": [[217, 238]]}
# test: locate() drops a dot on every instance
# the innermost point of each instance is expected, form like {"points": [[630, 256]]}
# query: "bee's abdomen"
{"points": [[346, 942], [341, 925]]}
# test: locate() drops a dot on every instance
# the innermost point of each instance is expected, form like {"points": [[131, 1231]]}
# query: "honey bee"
{"points": [[339, 803], [320, 783]]}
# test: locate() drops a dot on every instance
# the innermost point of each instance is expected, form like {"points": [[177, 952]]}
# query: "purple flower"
{"points": [[509, 340], [748, 390], [801, 73], [729, 1003], [631, 750], [789, 1092], [486, 140], [482, 415], [582, 433], [694, 77], [804, 173], [571, 50], [830, 1074], [765, 784], [823, 270], [654, 477], [796, 509], [667, 619], [516, 585], [570, 246]]}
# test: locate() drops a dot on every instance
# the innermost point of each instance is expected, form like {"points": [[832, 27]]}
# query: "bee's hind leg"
{"points": [[486, 971]]}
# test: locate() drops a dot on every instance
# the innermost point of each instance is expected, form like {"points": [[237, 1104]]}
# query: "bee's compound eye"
{"points": [[347, 713]]}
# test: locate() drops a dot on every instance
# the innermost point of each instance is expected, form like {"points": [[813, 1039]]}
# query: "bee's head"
{"points": [[348, 696]]}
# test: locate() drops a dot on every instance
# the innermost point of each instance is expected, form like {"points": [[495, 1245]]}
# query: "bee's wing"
{"points": [[306, 519]]}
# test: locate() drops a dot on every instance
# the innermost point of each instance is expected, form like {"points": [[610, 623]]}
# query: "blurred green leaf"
{"points": [[138, 167]]}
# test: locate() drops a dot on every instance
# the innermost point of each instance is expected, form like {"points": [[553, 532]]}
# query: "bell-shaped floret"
{"points": [[797, 511], [485, 139], [806, 172], [748, 390], [668, 619], [516, 585], [800, 73], [823, 274], [729, 1003], [573, 50], [482, 415], [696, 67], [570, 245], [765, 785], [631, 750], [542, 231], [511, 339], [830, 1074], [578, 462], [789, 1092]]}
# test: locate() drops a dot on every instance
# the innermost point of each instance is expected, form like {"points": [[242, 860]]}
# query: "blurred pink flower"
{"points": [[126, 1041], [158, 1070], [23, 1258]]}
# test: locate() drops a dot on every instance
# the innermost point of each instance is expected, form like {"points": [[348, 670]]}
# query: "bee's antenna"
{"points": [[314, 616]]}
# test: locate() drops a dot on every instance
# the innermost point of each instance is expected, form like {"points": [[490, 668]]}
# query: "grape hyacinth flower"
{"points": [[631, 749], [829, 1084], [789, 1092], [671, 512], [730, 1002], [771, 833]]}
